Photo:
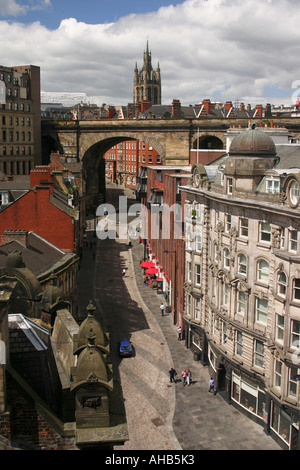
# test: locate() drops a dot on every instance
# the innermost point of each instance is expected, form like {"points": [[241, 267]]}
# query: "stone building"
{"points": [[242, 280], [57, 389], [147, 81], [20, 119]]}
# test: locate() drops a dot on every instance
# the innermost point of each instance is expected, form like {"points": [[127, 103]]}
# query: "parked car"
{"points": [[125, 349]]}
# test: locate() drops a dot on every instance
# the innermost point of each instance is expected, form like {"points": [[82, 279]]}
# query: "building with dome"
{"points": [[242, 280]]}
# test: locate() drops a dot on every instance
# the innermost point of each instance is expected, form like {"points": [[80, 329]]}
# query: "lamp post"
{"points": [[175, 285]]}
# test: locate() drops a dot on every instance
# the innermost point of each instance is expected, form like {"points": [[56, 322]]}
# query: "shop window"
{"points": [[280, 423]]}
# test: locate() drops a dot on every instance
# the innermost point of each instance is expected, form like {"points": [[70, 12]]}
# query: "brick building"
{"points": [[46, 210]]}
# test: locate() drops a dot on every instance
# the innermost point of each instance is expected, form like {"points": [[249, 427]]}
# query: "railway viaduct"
{"points": [[88, 140]]}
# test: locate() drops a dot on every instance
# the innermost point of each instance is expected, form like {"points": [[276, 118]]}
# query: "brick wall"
{"points": [[34, 212]]}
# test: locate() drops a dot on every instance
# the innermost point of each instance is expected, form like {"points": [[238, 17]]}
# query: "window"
{"points": [[197, 308], [277, 374], [227, 223], [243, 227], [198, 243], [272, 186], [197, 274], [258, 358], [293, 240], [189, 271], [240, 302], [279, 332], [264, 232], [295, 334], [226, 258], [281, 283], [188, 304], [262, 270], [239, 343], [224, 333], [293, 382], [296, 289], [216, 252], [229, 186], [225, 294], [261, 310], [293, 192], [242, 264]]}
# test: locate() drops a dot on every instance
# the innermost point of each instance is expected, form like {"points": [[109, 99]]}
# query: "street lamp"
{"points": [[175, 285]]}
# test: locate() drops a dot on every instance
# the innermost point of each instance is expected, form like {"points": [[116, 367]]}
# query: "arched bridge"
{"points": [[173, 139]]}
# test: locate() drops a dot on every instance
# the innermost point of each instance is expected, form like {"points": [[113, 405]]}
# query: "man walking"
{"points": [[179, 331], [173, 374], [162, 309], [212, 385]]}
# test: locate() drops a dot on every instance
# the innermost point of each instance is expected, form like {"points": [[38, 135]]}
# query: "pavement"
{"points": [[160, 415]]}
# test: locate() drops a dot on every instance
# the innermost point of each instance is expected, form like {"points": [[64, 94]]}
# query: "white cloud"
{"points": [[218, 49]]}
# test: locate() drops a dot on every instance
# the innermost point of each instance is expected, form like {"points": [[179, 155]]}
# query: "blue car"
{"points": [[125, 349]]}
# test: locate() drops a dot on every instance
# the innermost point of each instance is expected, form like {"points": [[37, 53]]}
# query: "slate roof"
{"points": [[39, 255]]}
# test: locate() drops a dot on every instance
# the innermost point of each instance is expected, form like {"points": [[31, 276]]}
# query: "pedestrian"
{"points": [[105, 211], [211, 385], [189, 377], [173, 374], [123, 272], [183, 375], [162, 309], [179, 331]]}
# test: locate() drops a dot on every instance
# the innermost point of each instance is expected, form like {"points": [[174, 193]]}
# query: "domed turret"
{"points": [[252, 143], [91, 326]]}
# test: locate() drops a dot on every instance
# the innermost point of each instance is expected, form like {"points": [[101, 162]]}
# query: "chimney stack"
{"points": [[20, 236], [176, 109]]}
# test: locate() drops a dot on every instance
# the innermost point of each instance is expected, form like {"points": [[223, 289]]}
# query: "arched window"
{"points": [[281, 284], [262, 273], [242, 264]]}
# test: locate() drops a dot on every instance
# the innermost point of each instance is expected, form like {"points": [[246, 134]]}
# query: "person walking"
{"points": [[188, 377], [162, 309], [179, 331], [173, 374], [212, 385], [124, 272], [183, 375]]}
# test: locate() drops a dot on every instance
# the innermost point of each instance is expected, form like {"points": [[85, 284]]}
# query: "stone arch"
{"points": [[208, 142], [92, 151]]}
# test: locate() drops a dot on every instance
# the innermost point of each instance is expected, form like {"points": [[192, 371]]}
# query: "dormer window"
{"points": [[272, 185]]}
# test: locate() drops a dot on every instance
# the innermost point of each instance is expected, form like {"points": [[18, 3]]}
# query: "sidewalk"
{"points": [[160, 415], [201, 421]]}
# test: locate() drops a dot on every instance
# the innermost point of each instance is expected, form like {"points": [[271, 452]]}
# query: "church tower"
{"points": [[147, 82]]}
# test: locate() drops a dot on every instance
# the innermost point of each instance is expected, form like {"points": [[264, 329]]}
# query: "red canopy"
{"points": [[152, 271], [147, 264]]}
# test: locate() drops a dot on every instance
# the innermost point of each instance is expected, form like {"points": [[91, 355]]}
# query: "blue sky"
{"points": [[50, 13], [239, 50]]}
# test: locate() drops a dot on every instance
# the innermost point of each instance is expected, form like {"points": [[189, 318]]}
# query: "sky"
{"points": [[239, 50]]}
